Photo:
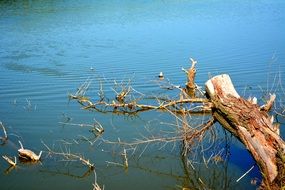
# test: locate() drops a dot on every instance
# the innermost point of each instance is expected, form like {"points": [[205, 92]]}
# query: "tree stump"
{"points": [[252, 126]]}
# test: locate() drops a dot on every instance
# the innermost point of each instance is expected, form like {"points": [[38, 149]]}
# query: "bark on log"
{"points": [[252, 126]]}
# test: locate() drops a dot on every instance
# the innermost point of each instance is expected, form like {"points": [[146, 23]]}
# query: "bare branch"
{"points": [[70, 156], [10, 161], [127, 102]]}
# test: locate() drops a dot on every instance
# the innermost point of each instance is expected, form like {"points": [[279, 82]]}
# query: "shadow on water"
{"points": [[28, 68]]}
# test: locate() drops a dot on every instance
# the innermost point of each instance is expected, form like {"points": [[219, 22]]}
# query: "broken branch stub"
{"points": [[251, 126], [269, 103], [190, 85]]}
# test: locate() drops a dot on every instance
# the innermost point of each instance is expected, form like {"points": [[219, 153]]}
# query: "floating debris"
{"points": [[161, 76], [28, 154]]}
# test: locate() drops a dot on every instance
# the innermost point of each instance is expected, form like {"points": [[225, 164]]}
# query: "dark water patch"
{"points": [[29, 68], [18, 56]]}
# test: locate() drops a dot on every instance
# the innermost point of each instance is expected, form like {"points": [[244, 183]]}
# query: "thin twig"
{"points": [[245, 173], [126, 163], [115, 163], [95, 184]]}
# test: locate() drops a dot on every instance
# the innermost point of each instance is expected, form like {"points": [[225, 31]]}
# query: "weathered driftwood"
{"points": [[28, 154], [252, 126]]}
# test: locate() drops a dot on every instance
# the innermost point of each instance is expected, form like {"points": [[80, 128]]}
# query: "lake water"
{"points": [[48, 49]]}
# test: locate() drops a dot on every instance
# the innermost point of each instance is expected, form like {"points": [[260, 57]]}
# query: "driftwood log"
{"points": [[253, 126]]}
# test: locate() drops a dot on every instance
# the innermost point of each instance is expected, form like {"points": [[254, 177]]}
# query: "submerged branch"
{"points": [[5, 138], [95, 184], [71, 156]]}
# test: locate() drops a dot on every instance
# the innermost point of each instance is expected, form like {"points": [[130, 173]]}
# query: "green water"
{"points": [[47, 50]]}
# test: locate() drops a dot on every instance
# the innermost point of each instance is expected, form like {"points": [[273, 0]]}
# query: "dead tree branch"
{"points": [[128, 101], [135, 107], [71, 156], [250, 123]]}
